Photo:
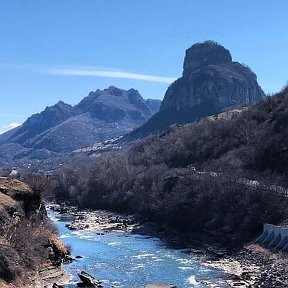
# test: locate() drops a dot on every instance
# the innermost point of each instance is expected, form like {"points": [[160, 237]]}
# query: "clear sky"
{"points": [[53, 50]]}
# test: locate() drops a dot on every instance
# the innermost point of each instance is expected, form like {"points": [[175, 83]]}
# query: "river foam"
{"points": [[131, 261]]}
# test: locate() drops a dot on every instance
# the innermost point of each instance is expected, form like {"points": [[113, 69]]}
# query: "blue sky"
{"points": [[53, 50]]}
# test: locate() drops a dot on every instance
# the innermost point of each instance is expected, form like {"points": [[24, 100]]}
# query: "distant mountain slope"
{"points": [[211, 83], [41, 122], [63, 128]]}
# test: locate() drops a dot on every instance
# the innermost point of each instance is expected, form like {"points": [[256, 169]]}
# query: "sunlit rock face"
{"points": [[211, 77], [211, 83]]}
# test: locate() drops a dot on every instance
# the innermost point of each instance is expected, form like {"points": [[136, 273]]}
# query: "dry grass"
{"points": [[10, 184], [6, 201], [4, 284], [227, 115], [58, 244]]}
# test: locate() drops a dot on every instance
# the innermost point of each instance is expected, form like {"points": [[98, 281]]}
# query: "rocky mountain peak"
{"points": [[62, 105], [204, 54], [51, 115], [115, 91], [102, 103], [211, 79], [211, 83], [62, 128]]}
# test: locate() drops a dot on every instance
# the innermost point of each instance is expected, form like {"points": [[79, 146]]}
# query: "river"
{"points": [[128, 260]]}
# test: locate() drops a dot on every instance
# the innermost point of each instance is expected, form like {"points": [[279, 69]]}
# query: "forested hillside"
{"points": [[157, 176]]}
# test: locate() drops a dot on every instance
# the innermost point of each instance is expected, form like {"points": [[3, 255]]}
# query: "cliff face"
{"points": [[211, 77], [211, 82]]}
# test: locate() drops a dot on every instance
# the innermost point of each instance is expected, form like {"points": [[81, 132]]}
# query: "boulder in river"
{"points": [[56, 286], [88, 281], [161, 286]]}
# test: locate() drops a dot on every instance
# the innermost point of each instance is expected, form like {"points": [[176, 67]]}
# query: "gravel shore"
{"points": [[253, 266]]}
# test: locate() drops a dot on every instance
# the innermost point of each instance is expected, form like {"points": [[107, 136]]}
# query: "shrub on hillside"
{"points": [[155, 177]]}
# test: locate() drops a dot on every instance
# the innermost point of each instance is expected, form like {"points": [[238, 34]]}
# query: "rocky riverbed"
{"points": [[252, 266], [123, 251]]}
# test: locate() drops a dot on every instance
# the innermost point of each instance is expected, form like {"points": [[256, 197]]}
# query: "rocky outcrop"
{"points": [[62, 128], [27, 245], [211, 77], [211, 83], [161, 286], [114, 104], [88, 281]]}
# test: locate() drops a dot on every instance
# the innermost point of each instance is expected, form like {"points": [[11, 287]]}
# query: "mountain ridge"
{"points": [[62, 128]]}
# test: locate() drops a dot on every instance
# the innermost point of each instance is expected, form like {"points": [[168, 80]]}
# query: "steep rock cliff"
{"points": [[211, 82]]}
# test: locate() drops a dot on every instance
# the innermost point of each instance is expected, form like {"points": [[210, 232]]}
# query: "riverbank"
{"points": [[44, 278], [251, 266]]}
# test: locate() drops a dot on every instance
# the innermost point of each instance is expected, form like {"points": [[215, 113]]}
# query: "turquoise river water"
{"points": [[121, 259]]}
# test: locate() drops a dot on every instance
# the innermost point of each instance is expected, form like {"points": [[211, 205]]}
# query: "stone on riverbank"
{"points": [[160, 286], [57, 286], [88, 281]]}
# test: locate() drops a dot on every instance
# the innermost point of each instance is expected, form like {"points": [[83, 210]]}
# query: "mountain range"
{"points": [[62, 128], [211, 83]]}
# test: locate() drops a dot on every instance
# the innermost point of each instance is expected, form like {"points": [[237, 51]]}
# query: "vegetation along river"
{"points": [[129, 260]]}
